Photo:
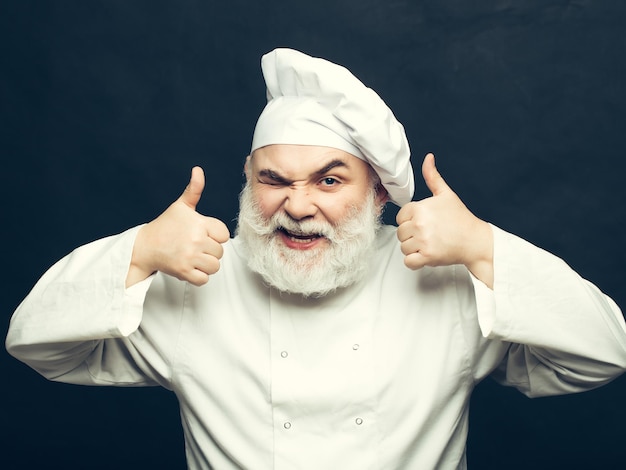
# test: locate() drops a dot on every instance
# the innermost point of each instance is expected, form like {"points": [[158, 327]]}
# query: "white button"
{"points": [[355, 346], [284, 354], [287, 425], [358, 421]]}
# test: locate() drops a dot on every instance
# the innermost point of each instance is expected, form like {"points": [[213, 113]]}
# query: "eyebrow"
{"points": [[329, 166], [276, 176], [273, 175]]}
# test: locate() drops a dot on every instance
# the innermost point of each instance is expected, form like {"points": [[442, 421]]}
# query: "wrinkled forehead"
{"points": [[296, 161], [288, 157]]}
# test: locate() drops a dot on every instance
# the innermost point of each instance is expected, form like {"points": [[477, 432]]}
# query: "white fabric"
{"points": [[377, 376], [312, 101]]}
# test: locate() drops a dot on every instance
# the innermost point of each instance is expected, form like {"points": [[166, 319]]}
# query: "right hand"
{"points": [[180, 242]]}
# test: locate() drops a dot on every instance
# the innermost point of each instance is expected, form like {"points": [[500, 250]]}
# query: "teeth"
{"points": [[301, 240]]}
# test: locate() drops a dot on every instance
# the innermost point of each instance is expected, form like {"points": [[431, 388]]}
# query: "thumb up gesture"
{"points": [[441, 231], [180, 242]]}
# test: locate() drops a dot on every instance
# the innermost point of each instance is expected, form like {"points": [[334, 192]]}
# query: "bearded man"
{"points": [[323, 339]]}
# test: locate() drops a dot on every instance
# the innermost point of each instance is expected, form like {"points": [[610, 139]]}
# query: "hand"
{"points": [[180, 242], [441, 231]]}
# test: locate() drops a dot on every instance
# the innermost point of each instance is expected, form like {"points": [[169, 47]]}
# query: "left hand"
{"points": [[441, 231]]}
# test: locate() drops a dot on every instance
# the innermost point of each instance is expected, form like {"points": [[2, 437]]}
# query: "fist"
{"points": [[440, 230], [181, 242]]}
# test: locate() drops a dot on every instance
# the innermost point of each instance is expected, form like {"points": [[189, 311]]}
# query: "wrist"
{"points": [[480, 263], [139, 269]]}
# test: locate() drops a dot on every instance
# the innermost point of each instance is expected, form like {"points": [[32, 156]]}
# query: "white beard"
{"points": [[340, 262]]}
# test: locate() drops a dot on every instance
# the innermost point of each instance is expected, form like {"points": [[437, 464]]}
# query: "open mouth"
{"points": [[302, 238]]}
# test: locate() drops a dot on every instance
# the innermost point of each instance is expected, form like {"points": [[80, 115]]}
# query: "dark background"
{"points": [[106, 106]]}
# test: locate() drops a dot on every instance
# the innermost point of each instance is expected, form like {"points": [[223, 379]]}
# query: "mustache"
{"points": [[301, 228], [281, 221]]}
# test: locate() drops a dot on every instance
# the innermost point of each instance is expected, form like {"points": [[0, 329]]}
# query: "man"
{"points": [[317, 338]]}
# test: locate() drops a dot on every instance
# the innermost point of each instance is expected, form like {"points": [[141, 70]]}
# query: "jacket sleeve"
{"points": [[75, 324], [564, 334]]}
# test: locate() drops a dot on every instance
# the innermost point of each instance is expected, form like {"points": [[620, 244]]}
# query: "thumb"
{"points": [[193, 191], [433, 179]]}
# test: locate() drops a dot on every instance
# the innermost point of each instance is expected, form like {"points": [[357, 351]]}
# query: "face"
{"points": [[308, 216]]}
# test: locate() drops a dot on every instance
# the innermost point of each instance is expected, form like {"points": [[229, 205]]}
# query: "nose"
{"points": [[299, 204]]}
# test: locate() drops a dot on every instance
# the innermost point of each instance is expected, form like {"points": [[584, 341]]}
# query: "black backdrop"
{"points": [[106, 105]]}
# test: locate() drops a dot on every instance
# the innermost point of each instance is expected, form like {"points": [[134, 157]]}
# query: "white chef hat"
{"points": [[312, 101]]}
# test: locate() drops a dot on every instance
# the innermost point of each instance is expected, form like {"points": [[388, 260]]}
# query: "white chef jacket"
{"points": [[374, 376]]}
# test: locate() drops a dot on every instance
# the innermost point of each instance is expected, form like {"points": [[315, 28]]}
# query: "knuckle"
{"points": [[410, 264], [219, 251], [214, 266], [199, 279]]}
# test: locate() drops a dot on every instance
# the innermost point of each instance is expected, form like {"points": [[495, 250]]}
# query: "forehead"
{"points": [[303, 160]]}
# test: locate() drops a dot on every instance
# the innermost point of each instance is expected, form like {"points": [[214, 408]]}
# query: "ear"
{"points": [[382, 197], [246, 167]]}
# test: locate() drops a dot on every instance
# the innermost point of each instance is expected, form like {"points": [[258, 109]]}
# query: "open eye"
{"points": [[328, 181]]}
